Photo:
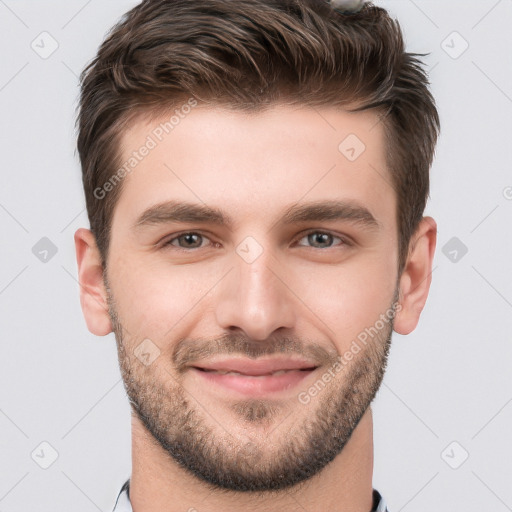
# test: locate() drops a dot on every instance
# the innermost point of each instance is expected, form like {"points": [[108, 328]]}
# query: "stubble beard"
{"points": [[206, 449]]}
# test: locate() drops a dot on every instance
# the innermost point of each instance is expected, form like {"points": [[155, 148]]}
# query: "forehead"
{"points": [[254, 163]]}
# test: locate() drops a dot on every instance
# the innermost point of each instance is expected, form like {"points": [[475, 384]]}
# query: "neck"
{"points": [[345, 485]]}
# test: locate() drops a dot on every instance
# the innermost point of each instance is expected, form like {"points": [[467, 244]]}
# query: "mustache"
{"points": [[188, 351]]}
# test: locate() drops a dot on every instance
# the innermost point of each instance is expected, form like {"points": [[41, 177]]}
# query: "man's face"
{"points": [[304, 262]]}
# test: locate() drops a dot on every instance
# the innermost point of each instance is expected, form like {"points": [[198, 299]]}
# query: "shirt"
{"points": [[123, 500]]}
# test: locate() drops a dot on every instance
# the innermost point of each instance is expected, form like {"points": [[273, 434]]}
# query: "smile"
{"points": [[253, 385]]}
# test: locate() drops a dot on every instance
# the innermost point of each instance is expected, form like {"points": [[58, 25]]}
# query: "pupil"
{"points": [[321, 238], [189, 239]]}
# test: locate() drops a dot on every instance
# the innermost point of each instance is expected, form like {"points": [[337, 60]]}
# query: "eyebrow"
{"points": [[185, 212]]}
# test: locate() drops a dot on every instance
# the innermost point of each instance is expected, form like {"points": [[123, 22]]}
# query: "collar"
{"points": [[123, 500]]}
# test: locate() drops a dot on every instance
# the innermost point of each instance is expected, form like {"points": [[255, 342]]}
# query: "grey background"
{"points": [[447, 393]]}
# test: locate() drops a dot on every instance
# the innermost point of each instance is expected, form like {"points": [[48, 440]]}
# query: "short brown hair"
{"points": [[249, 55]]}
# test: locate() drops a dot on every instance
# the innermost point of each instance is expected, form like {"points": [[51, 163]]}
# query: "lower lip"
{"points": [[256, 386]]}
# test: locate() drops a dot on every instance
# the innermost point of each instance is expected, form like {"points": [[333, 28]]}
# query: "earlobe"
{"points": [[93, 296], [416, 276]]}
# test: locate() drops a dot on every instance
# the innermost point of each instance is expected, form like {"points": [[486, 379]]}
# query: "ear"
{"points": [[93, 295], [416, 276]]}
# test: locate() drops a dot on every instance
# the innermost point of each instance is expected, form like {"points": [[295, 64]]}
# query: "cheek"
{"points": [[349, 298], [153, 298]]}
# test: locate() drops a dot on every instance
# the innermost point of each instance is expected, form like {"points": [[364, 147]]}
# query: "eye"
{"points": [[322, 240], [316, 239], [191, 240]]}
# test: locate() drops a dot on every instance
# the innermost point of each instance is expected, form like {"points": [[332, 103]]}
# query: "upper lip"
{"points": [[256, 367]]}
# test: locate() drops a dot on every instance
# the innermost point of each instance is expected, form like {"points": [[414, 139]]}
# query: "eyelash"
{"points": [[343, 240]]}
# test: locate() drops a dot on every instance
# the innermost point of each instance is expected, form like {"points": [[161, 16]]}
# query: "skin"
{"points": [[307, 295]]}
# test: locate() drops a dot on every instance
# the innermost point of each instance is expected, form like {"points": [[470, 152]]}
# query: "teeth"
{"points": [[221, 372]]}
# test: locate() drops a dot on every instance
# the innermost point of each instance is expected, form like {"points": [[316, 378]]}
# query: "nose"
{"points": [[255, 298]]}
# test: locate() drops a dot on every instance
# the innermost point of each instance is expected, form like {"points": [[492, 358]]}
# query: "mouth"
{"points": [[254, 378], [277, 372]]}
